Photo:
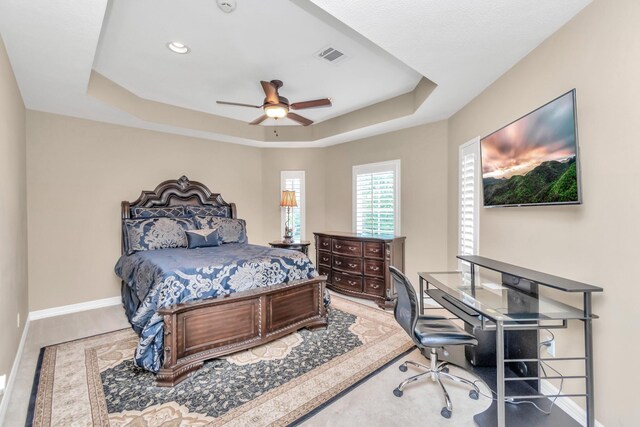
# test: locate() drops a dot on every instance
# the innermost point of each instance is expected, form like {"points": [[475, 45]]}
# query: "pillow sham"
{"points": [[203, 238], [230, 230], [169, 211], [219, 211], [146, 234]]}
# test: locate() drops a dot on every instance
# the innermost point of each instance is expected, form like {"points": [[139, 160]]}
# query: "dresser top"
{"points": [[360, 236]]}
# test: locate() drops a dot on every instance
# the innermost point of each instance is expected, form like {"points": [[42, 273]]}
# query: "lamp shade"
{"points": [[288, 199]]}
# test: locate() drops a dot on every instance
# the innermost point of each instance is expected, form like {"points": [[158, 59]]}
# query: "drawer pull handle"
{"points": [[338, 262], [374, 268], [351, 248], [338, 246], [375, 286], [325, 244], [352, 283], [353, 265], [338, 279], [375, 251]]}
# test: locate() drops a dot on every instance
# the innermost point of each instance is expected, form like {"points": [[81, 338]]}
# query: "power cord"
{"points": [[542, 365]]}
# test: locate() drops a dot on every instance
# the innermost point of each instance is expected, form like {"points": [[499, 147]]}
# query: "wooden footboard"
{"points": [[199, 331]]}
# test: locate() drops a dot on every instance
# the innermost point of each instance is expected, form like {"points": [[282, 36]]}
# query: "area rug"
{"points": [[93, 381]]}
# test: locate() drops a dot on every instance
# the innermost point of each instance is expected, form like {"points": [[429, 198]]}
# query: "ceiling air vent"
{"points": [[331, 54]]}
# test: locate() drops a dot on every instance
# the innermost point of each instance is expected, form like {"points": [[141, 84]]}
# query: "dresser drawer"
{"points": [[346, 281], [374, 268], [348, 264], [374, 250], [325, 271], [374, 286], [324, 258], [347, 247], [324, 243]]}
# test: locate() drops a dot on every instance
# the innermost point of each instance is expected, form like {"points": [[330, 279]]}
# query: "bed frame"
{"points": [[241, 320]]}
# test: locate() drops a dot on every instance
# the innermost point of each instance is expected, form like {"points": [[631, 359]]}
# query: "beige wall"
{"points": [[310, 160], [597, 242], [78, 173], [13, 214], [423, 189]]}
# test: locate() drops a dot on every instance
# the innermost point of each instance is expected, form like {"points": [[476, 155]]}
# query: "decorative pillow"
{"points": [[204, 238], [145, 234], [220, 211], [230, 230], [171, 212]]}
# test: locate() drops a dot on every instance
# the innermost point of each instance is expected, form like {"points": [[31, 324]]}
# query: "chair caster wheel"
{"points": [[445, 370], [397, 392], [445, 412], [403, 368], [474, 394]]}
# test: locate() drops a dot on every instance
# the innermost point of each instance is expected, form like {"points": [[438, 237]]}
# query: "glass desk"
{"points": [[510, 302], [496, 302]]}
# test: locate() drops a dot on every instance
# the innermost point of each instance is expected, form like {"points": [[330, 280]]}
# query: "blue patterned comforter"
{"points": [[166, 277]]}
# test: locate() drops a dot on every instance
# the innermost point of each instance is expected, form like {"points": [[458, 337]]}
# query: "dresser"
{"points": [[358, 264]]}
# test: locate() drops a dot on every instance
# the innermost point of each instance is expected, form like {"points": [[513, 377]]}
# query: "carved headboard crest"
{"points": [[183, 182]]}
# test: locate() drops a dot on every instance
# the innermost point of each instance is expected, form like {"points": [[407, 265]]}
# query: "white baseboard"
{"points": [[568, 405], [74, 308], [12, 375]]}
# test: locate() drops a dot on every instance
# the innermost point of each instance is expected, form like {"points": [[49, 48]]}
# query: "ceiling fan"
{"points": [[277, 107]]}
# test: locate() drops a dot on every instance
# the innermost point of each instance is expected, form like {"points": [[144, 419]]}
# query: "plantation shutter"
{"points": [[469, 198], [294, 181], [376, 198]]}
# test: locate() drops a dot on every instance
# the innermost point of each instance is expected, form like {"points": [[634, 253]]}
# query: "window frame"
{"points": [[477, 199], [284, 175], [389, 165]]}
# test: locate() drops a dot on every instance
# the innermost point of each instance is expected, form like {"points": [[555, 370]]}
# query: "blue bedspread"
{"points": [[166, 277]]}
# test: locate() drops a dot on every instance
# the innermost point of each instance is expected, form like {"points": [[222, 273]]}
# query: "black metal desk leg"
{"points": [[588, 352], [500, 373], [421, 299]]}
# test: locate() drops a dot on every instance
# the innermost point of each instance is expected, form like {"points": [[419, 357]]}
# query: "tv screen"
{"points": [[534, 160]]}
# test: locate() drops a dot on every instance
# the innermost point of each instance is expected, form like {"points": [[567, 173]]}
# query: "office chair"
{"points": [[428, 332]]}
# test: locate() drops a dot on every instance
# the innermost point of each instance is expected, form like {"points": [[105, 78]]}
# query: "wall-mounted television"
{"points": [[534, 160]]}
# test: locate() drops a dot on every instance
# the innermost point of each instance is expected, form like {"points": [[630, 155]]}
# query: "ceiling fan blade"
{"points": [[302, 120], [238, 104], [325, 102], [271, 92], [259, 120]]}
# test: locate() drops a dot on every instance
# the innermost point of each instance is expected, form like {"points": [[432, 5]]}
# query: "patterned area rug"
{"points": [[93, 381]]}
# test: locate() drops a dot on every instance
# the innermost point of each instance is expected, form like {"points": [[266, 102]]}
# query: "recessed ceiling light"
{"points": [[178, 47]]}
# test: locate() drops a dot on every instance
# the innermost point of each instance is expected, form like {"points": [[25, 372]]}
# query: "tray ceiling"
{"points": [[231, 53], [408, 62]]}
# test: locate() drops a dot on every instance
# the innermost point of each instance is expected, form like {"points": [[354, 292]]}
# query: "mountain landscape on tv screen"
{"points": [[549, 182]]}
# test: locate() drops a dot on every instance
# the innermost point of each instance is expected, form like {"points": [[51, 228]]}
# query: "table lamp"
{"points": [[288, 201]]}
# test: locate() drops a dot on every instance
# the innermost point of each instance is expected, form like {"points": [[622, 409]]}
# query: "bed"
{"points": [[191, 305]]}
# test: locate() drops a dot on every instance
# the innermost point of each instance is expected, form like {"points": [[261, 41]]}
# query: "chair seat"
{"points": [[436, 331]]}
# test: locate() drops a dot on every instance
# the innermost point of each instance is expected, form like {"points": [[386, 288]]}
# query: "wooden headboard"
{"points": [[177, 192]]}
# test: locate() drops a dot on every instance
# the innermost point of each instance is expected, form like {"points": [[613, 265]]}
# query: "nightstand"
{"points": [[301, 246]]}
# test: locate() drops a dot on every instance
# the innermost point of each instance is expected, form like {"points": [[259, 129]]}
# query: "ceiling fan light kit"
{"points": [[275, 111], [277, 107]]}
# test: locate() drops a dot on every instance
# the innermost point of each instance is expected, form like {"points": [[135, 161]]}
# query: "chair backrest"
{"points": [[406, 311]]}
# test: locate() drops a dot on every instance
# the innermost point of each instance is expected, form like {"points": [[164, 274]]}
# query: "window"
{"points": [[376, 198], [469, 176], [294, 181]]}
